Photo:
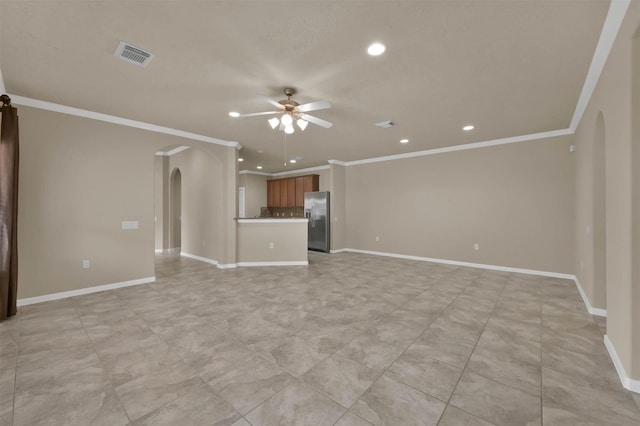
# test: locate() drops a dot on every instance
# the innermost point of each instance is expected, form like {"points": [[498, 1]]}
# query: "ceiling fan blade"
{"points": [[313, 106], [271, 101], [253, 114], [318, 121]]}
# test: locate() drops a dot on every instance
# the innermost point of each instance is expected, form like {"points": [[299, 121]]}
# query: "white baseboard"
{"points": [[169, 250], [627, 382], [342, 250], [593, 311], [458, 263], [81, 291], [210, 261], [290, 263]]}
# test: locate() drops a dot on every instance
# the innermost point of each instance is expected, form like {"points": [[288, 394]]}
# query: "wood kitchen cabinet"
{"points": [[289, 192]]}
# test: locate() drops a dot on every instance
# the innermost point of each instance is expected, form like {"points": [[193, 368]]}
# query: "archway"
{"points": [[599, 216], [175, 209]]}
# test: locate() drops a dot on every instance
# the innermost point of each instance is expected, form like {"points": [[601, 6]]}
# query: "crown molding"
{"points": [[173, 151], [253, 172], [475, 145], [612, 23], [338, 162], [50, 106], [288, 172], [305, 170]]}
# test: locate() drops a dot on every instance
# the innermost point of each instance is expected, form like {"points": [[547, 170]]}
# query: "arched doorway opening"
{"points": [[175, 209]]}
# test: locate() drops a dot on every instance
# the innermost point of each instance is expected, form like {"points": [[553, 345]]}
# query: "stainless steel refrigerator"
{"points": [[316, 209]]}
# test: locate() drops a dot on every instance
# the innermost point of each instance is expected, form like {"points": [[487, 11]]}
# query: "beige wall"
{"points": [[612, 100], [338, 200], [289, 240], [515, 201], [79, 179], [255, 193]]}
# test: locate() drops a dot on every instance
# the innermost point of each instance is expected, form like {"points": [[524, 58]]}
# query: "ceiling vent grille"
{"points": [[133, 54], [386, 124]]}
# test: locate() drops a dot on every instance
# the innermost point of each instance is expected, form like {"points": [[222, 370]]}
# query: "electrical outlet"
{"points": [[476, 246], [85, 264], [377, 238], [272, 245]]}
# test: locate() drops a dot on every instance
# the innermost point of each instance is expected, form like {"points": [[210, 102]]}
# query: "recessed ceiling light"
{"points": [[468, 127], [293, 160], [241, 159], [234, 114], [404, 140], [259, 167], [376, 49]]}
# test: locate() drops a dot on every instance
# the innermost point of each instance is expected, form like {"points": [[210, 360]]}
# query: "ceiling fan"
{"points": [[290, 111]]}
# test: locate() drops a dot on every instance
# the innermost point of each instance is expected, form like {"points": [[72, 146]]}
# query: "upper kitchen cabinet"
{"points": [[289, 192]]}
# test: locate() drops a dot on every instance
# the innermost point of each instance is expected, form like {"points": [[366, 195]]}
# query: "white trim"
{"points": [[469, 264], [338, 162], [342, 250], [289, 263], [169, 250], [2, 89], [495, 142], [49, 106], [200, 258], [612, 23], [227, 266], [593, 311], [294, 220], [293, 172], [252, 172], [627, 382], [173, 151], [81, 291], [289, 172], [210, 261]]}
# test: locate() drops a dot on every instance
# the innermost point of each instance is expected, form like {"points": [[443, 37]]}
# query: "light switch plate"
{"points": [[129, 224]]}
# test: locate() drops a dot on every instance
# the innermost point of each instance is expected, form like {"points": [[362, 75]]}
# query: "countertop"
{"points": [[272, 219]]}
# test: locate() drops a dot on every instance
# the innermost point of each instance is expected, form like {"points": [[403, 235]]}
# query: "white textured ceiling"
{"points": [[509, 67]]}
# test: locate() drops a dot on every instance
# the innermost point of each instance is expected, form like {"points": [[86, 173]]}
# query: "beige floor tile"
{"points": [[297, 404], [341, 379], [297, 356], [151, 391], [370, 352], [428, 375], [80, 398], [199, 406], [392, 403], [495, 402], [350, 419], [456, 417], [249, 384], [239, 329]]}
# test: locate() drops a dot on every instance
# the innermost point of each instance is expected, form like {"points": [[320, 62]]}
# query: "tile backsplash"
{"points": [[281, 211]]}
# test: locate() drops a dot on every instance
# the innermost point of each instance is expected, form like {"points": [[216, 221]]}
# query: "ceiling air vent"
{"points": [[386, 124], [133, 54]]}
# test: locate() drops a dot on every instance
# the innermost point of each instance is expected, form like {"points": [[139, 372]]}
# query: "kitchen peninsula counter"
{"points": [[272, 241]]}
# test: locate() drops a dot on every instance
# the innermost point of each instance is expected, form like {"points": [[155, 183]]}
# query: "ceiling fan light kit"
{"points": [[291, 111]]}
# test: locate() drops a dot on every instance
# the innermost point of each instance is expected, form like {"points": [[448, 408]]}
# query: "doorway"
{"points": [[175, 210]]}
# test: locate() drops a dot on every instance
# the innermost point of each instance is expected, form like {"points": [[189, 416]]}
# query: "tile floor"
{"points": [[349, 340]]}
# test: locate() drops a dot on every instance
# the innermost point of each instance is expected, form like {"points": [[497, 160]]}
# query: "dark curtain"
{"points": [[8, 209]]}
